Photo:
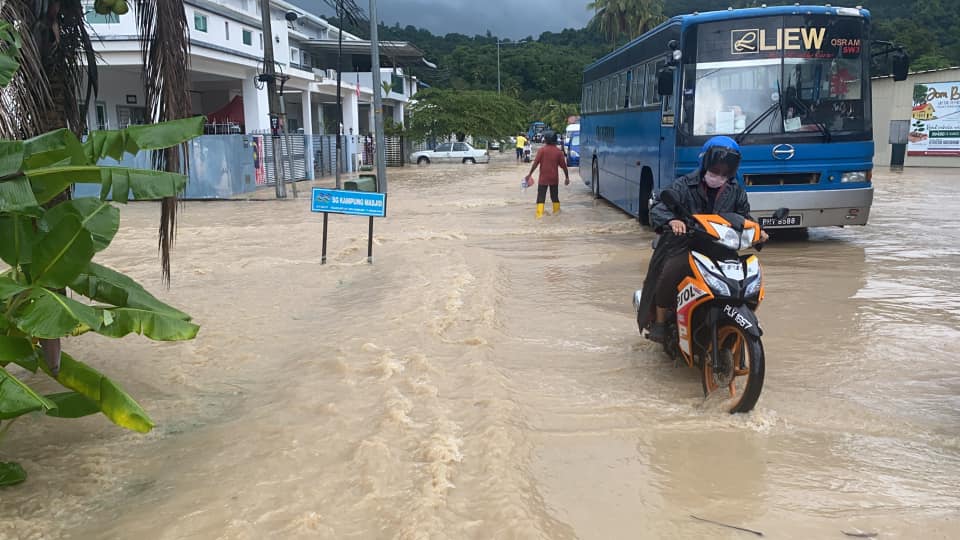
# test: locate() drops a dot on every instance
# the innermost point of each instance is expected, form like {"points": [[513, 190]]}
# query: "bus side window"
{"points": [[651, 99], [626, 89]]}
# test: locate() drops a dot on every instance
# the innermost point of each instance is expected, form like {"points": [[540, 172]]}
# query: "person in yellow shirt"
{"points": [[521, 144]]}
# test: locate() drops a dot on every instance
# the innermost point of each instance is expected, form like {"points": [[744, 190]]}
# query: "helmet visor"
{"points": [[718, 156]]}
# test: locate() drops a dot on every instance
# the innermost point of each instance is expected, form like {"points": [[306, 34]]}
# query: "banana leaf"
{"points": [[11, 473], [145, 184], [18, 350], [61, 254], [16, 398], [109, 286], [113, 402], [9, 287], [99, 218], [51, 315], [114, 143], [72, 405], [152, 324], [16, 196], [18, 236], [59, 146], [11, 157]]}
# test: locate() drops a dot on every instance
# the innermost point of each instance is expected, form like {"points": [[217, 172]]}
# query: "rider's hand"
{"points": [[678, 226], [764, 236]]}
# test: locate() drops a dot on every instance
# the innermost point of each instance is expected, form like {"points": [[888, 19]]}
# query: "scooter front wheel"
{"points": [[741, 369]]}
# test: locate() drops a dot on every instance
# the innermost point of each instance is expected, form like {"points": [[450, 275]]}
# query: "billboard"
{"points": [[935, 120]]}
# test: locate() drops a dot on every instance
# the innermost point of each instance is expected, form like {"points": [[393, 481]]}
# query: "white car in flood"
{"points": [[456, 152]]}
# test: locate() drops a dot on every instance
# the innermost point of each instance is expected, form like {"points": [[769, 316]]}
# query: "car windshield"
{"points": [[809, 70], [575, 141]]}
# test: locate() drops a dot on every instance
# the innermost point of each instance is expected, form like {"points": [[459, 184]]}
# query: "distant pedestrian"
{"points": [[521, 143], [550, 159]]}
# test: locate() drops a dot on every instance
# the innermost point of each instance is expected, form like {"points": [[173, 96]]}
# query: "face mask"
{"points": [[714, 180]]}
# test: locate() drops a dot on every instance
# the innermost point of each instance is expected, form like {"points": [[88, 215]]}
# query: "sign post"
{"points": [[354, 203]]}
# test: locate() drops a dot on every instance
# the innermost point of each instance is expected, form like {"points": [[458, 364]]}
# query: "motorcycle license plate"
{"points": [[789, 221]]}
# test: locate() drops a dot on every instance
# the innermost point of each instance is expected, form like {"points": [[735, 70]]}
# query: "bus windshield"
{"points": [[798, 73]]}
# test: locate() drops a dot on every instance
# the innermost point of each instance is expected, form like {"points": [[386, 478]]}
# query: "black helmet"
{"points": [[550, 137]]}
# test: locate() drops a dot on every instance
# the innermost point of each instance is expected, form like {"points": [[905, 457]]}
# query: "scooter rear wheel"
{"points": [[741, 356]]}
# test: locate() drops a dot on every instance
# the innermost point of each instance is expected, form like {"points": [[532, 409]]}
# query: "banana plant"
{"points": [[53, 288]]}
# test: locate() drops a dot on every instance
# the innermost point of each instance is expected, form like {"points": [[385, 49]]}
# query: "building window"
{"points": [[226, 30], [247, 37], [200, 22], [294, 56], [101, 111], [261, 39]]}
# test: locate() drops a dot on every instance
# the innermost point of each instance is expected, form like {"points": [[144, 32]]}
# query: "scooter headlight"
{"points": [[710, 275], [728, 237]]}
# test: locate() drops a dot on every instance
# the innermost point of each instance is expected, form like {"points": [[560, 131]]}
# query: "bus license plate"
{"points": [[789, 221]]}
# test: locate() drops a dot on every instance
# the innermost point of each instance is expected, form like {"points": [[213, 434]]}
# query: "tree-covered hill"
{"points": [[549, 66]]}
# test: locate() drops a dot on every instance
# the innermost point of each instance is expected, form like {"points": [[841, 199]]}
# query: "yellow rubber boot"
{"points": [[539, 210], [556, 208]]}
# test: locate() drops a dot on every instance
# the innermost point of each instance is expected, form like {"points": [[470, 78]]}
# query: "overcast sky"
{"points": [[514, 19]]}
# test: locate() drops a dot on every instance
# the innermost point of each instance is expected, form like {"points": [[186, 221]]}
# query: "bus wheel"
{"points": [[595, 179]]}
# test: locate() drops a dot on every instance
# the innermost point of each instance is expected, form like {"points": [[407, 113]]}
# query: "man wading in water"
{"points": [[550, 159]]}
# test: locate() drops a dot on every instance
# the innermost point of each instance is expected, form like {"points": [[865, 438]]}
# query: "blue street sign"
{"points": [[355, 203]]}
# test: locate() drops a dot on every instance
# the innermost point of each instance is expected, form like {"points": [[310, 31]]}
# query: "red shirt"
{"points": [[549, 158]]}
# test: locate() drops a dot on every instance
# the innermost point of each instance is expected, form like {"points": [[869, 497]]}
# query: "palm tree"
{"points": [[628, 18], [58, 66]]}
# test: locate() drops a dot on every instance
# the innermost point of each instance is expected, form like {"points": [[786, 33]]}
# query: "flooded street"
{"points": [[485, 379]]}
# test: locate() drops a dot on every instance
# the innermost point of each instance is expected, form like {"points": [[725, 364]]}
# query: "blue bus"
{"points": [[791, 84]]}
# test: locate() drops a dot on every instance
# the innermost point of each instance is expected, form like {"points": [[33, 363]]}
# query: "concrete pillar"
{"points": [[351, 112], [306, 108], [398, 113], [351, 125], [256, 106]]}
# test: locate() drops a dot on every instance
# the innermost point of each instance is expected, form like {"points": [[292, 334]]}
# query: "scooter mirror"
{"points": [[781, 213]]}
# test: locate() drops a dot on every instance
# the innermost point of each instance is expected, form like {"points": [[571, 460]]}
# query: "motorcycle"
{"points": [[714, 327]]}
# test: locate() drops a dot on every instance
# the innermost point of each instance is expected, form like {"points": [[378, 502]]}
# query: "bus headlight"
{"points": [[856, 176], [574, 154]]}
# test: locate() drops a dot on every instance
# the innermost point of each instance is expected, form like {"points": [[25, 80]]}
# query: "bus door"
{"points": [[668, 142]]}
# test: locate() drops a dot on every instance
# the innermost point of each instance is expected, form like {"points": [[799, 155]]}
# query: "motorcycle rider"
{"points": [[710, 189]]}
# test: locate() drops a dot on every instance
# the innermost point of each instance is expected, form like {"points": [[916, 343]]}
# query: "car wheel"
{"points": [[470, 160], [423, 160]]}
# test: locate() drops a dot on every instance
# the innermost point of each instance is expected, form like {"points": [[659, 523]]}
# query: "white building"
{"points": [[226, 54]]}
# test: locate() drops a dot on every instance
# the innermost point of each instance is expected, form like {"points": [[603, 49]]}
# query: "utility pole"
{"points": [[269, 75], [498, 66], [340, 130], [377, 100]]}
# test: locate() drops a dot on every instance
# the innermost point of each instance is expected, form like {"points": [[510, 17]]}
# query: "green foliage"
{"points": [[50, 253], [623, 20], [441, 113], [553, 113]]}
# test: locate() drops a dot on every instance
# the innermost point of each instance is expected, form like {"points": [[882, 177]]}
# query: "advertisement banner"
{"points": [[935, 120]]}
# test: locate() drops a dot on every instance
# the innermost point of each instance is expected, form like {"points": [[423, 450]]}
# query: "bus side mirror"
{"points": [[665, 82], [901, 66]]}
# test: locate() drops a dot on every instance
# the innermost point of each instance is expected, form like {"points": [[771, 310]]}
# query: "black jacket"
{"points": [[693, 196]]}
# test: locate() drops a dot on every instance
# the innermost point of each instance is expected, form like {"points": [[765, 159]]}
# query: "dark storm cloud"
{"points": [[508, 19]]}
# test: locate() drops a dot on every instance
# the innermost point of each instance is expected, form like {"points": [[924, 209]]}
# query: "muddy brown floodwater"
{"points": [[485, 379]]}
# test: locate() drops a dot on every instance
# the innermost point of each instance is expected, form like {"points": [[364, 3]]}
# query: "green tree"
{"points": [[481, 114], [625, 18]]}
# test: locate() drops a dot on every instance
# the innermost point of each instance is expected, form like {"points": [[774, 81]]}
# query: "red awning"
{"points": [[231, 112]]}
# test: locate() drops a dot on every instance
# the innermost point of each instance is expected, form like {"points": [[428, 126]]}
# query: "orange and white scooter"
{"points": [[715, 327]]}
